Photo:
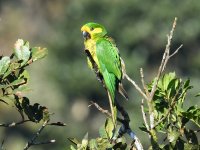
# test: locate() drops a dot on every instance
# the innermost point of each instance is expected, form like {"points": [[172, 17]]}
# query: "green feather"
{"points": [[109, 64]]}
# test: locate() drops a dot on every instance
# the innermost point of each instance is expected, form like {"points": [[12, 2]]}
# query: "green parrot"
{"points": [[104, 58]]}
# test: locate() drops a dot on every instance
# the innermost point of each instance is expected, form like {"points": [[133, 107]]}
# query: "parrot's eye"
{"points": [[91, 29]]}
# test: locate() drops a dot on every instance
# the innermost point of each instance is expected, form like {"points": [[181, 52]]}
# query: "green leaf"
{"points": [[22, 51], [13, 66], [93, 144], [109, 127], [191, 136], [173, 135], [84, 142], [193, 114], [120, 146], [34, 112], [72, 147], [188, 146], [102, 132], [144, 129], [197, 95], [38, 53], [4, 64]]}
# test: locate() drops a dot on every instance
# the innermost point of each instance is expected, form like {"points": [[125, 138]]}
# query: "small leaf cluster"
{"points": [[14, 79], [171, 118], [108, 139]]}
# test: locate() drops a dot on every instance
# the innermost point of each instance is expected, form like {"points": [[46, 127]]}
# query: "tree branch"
{"points": [[32, 141], [13, 124], [136, 86], [144, 115]]}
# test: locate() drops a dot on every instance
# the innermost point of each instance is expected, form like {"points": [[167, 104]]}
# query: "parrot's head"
{"points": [[93, 30]]}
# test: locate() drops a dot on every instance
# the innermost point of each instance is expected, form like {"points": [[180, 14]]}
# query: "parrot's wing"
{"points": [[110, 65], [108, 54]]}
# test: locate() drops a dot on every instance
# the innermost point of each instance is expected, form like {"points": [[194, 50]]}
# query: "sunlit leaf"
{"points": [[102, 132], [93, 144], [22, 51], [109, 127], [173, 136], [38, 53], [4, 64]]}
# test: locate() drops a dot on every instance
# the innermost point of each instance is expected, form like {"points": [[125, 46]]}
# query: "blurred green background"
{"points": [[63, 82]]}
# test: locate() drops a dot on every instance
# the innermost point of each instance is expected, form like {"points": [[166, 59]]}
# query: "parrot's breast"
{"points": [[91, 46]]}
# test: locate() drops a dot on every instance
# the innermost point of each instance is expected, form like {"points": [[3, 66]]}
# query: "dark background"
{"points": [[63, 82]]}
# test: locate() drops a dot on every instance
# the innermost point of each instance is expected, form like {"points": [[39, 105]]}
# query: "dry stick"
{"points": [[100, 109], [163, 64], [13, 124], [32, 141], [144, 115], [164, 61], [136, 86], [143, 83]]}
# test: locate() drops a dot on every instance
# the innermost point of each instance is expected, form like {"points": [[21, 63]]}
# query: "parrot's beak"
{"points": [[86, 35]]}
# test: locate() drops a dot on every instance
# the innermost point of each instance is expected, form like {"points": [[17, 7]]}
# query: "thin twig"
{"points": [[164, 61], [13, 124], [100, 109], [176, 51], [143, 83], [45, 142], [32, 141], [144, 115], [135, 85]]}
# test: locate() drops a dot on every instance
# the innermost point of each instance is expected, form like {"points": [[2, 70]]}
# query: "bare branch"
{"points": [[164, 61], [176, 51], [144, 115], [32, 141], [136, 86], [143, 83], [100, 109], [13, 124], [45, 142]]}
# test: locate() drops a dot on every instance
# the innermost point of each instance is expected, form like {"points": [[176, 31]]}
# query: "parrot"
{"points": [[104, 59]]}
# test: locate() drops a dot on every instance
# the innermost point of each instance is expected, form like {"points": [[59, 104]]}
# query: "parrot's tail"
{"points": [[122, 91]]}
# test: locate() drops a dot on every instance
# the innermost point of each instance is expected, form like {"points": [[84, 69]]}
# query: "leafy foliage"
{"points": [[171, 120], [14, 79], [108, 139], [170, 115]]}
